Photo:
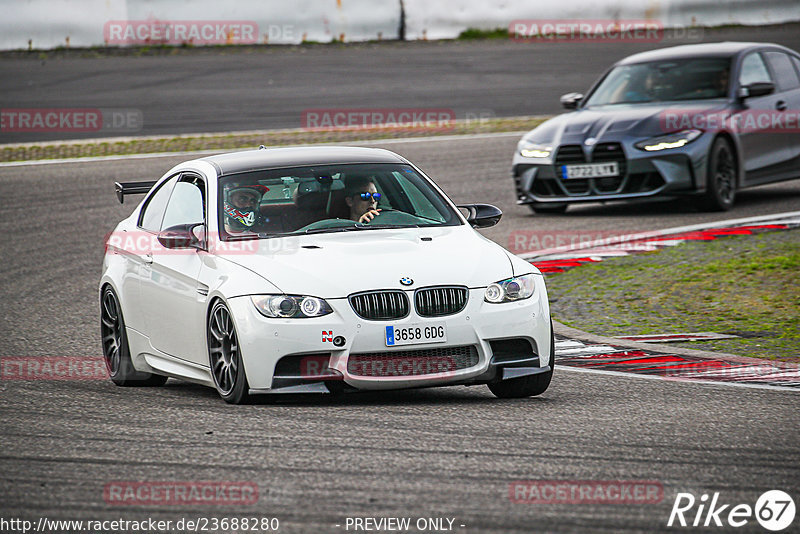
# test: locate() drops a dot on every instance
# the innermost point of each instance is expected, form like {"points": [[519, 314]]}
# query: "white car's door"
{"points": [[175, 301], [136, 242]]}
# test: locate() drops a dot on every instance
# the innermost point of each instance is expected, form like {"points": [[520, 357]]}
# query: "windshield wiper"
{"points": [[260, 235], [245, 237], [334, 229], [381, 226]]}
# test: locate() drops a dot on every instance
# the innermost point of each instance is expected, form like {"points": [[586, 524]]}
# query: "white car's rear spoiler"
{"points": [[132, 188]]}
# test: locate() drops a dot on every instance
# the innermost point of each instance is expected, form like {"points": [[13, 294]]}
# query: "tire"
{"points": [[721, 179], [224, 356], [116, 351], [527, 386], [548, 208]]}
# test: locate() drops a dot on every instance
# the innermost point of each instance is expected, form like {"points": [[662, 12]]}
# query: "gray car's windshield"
{"points": [[329, 198], [661, 81]]}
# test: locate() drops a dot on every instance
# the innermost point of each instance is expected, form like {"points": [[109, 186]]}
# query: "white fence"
{"points": [[44, 24]]}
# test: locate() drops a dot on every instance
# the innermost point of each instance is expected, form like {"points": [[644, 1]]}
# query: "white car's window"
{"points": [[329, 198], [186, 205], [753, 70], [153, 210], [422, 205]]}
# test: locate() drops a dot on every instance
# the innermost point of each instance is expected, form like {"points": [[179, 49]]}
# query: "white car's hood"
{"points": [[335, 265]]}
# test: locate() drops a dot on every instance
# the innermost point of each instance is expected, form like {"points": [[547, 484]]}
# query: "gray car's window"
{"points": [[661, 81], [753, 70], [186, 204], [785, 75], [153, 211]]}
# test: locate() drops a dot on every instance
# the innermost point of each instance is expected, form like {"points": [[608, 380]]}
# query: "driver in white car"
{"points": [[241, 208], [362, 197]]}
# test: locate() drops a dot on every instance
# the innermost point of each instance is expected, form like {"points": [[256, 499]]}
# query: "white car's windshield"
{"points": [[329, 198], [661, 81]]}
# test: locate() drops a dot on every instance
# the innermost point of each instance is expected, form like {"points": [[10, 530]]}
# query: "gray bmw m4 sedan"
{"points": [[699, 120]]}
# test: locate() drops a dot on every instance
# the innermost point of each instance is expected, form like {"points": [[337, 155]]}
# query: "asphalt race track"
{"points": [[214, 91], [316, 461]]}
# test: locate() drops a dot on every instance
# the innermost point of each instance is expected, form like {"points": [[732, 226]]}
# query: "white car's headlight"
{"points": [[665, 142], [290, 306], [534, 150], [517, 288]]}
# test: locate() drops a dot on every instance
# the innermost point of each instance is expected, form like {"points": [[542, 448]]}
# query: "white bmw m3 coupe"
{"points": [[317, 269]]}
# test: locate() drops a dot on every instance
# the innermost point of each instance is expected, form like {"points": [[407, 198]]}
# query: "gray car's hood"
{"points": [[617, 122], [338, 264]]}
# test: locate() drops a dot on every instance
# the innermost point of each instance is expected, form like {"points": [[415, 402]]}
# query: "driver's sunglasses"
{"points": [[367, 196]]}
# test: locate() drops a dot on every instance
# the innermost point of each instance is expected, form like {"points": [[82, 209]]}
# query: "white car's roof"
{"points": [[274, 158]]}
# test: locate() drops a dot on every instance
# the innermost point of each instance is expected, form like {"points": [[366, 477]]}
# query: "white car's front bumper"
{"points": [[264, 341]]}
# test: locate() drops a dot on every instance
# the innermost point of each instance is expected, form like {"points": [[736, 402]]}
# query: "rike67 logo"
{"points": [[774, 510]]}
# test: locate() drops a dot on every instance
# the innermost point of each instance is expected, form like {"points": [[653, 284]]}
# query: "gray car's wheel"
{"points": [[548, 208], [527, 386], [225, 357], [116, 351], [721, 178]]}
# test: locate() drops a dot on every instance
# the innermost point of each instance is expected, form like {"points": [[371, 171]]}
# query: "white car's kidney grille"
{"points": [[440, 301], [412, 362], [380, 305]]}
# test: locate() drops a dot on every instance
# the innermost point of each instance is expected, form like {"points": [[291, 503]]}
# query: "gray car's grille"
{"points": [[440, 301], [610, 152], [412, 362], [380, 305], [571, 154]]}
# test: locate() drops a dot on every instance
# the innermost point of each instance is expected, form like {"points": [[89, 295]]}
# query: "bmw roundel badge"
{"points": [[406, 281]]}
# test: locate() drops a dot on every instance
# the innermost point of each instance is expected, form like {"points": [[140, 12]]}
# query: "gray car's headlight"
{"points": [[517, 288], [534, 150], [290, 306], [665, 142]]}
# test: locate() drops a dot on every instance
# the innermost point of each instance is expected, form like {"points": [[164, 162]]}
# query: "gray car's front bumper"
{"points": [[642, 174]]}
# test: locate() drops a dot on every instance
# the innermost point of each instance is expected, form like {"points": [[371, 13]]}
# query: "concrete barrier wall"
{"points": [[47, 24], [446, 20]]}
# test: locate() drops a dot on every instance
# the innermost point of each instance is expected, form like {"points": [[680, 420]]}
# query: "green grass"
{"points": [[188, 143], [743, 285], [475, 33]]}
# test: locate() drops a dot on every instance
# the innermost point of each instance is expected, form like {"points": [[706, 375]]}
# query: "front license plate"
{"points": [[590, 170], [415, 334]]}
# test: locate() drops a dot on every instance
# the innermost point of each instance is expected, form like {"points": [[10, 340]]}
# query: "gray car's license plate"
{"points": [[590, 170]]}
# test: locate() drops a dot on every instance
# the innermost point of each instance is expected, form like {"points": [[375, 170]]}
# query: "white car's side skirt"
{"points": [[146, 358]]}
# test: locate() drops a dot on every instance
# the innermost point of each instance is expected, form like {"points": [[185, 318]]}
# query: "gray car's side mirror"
{"points": [[571, 100], [481, 215], [756, 89]]}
